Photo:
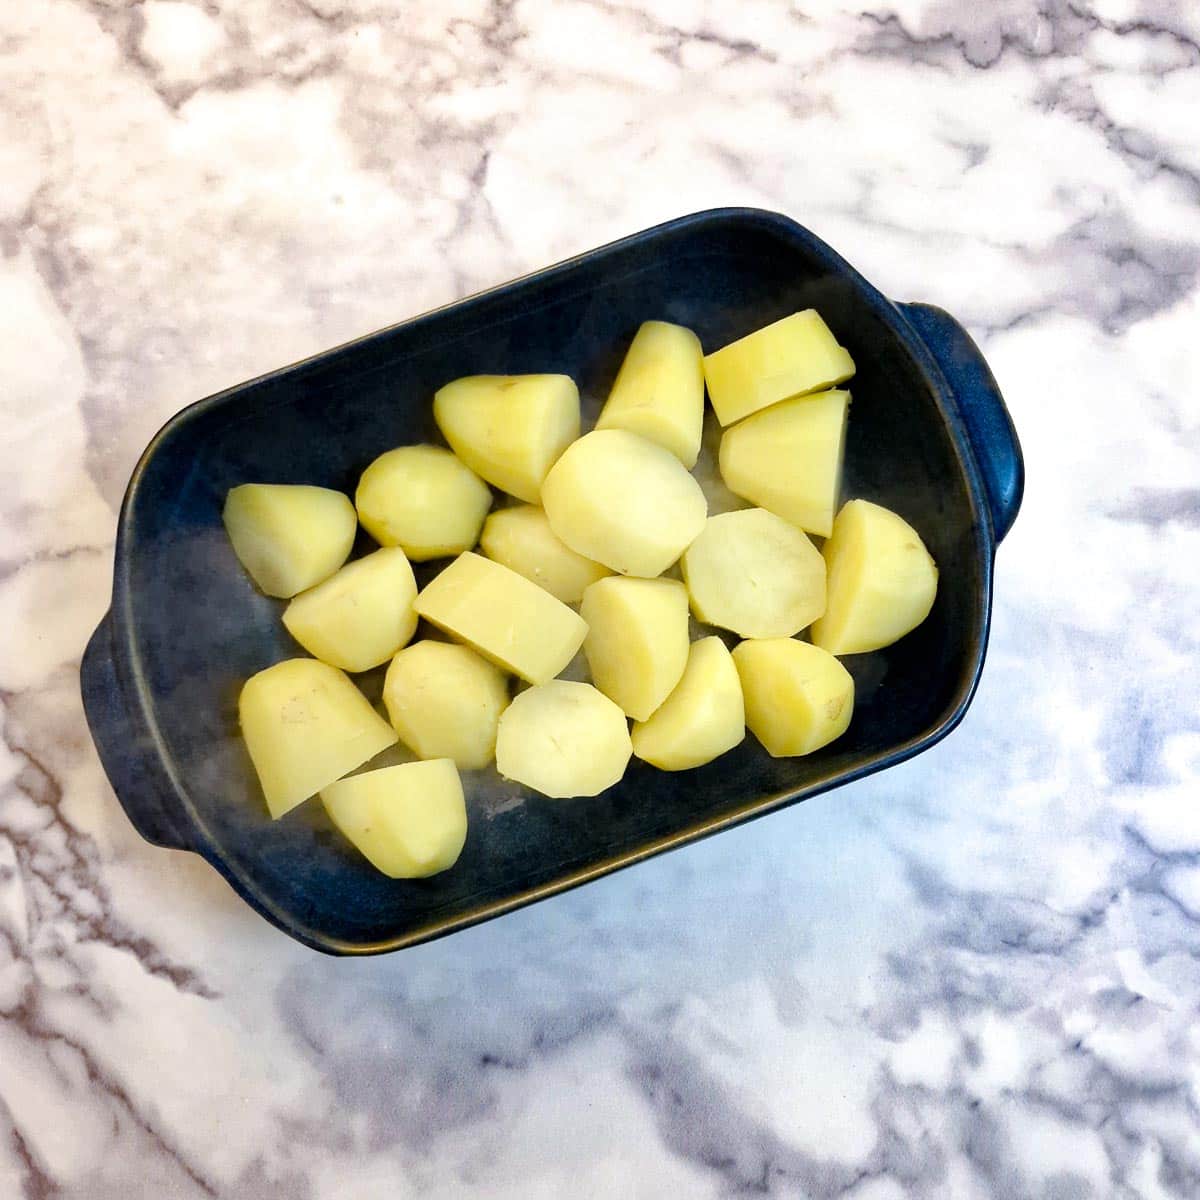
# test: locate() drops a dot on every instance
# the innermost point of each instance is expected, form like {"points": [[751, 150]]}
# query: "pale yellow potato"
{"points": [[521, 539], [306, 725], [787, 358], [424, 500], [623, 501], [408, 821], [289, 536], [509, 620], [755, 574], [445, 701], [563, 739], [509, 429], [659, 390], [798, 696], [788, 458], [637, 641], [359, 617], [882, 580], [701, 719]]}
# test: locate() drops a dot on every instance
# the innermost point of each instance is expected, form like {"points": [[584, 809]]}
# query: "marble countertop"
{"points": [[975, 975]]}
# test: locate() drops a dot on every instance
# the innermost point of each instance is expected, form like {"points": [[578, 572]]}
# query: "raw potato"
{"points": [[788, 358], [289, 536], [445, 701], [510, 621], [798, 697], [424, 500], [659, 390], [563, 739], [624, 501], [637, 642], [521, 539], [509, 429], [882, 580], [306, 725], [752, 572], [409, 821], [359, 617], [788, 458], [701, 719]]}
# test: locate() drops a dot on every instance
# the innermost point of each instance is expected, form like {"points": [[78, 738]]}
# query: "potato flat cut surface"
{"points": [[521, 539]]}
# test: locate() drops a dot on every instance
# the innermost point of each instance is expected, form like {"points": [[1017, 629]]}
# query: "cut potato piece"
{"points": [[563, 739], [509, 429], [289, 536], [788, 458], [510, 621], [422, 499], [359, 617], [788, 358], [659, 390], [701, 719], [882, 580], [521, 539], [306, 725], [637, 642], [623, 501], [408, 821], [798, 697], [754, 573]]}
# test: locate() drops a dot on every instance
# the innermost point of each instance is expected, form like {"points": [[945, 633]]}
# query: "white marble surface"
{"points": [[977, 975]]}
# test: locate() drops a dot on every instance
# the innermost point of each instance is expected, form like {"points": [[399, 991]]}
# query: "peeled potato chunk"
{"points": [[563, 739], [754, 573], [289, 536], [659, 390], [623, 501], [882, 580], [510, 621], [359, 617], [701, 719], [788, 358], [509, 429], [798, 696], [408, 821], [445, 701], [788, 458], [521, 539], [306, 725]]}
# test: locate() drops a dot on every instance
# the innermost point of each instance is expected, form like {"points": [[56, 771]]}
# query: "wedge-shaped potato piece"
{"points": [[882, 580], [306, 725], [623, 501], [701, 719], [788, 358], [509, 429], [563, 739], [798, 696], [521, 538], [408, 821], [289, 536], [788, 458]]}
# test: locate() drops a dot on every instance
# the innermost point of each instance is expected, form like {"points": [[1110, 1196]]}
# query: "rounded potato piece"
{"points": [[754, 573], [637, 642], [422, 499], [882, 580], [623, 501], [445, 701], [306, 725], [509, 429], [563, 739], [408, 821], [521, 539], [289, 536], [359, 617], [798, 697], [701, 719]]}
